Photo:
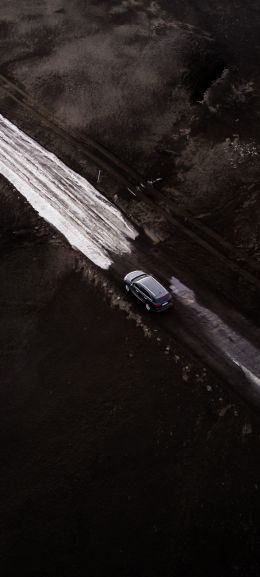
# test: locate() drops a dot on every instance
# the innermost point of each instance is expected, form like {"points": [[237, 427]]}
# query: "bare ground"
{"points": [[114, 458], [172, 89]]}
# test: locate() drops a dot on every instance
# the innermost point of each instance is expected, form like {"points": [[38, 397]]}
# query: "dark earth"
{"points": [[171, 87], [114, 459], [121, 453]]}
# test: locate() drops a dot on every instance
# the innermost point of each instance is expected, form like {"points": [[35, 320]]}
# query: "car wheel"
{"points": [[127, 288], [147, 306]]}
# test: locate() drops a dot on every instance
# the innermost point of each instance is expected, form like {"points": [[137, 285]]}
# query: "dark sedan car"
{"points": [[148, 290]]}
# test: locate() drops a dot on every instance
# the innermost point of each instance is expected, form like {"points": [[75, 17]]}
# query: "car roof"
{"points": [[155, 288]]}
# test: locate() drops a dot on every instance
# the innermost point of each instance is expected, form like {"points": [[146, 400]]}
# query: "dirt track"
{"points": [[221, 266]]}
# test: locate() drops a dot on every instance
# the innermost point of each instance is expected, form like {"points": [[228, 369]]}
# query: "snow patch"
{"points": [[62, 197]]}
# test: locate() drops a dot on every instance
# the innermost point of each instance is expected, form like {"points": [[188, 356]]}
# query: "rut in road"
{"points": [[217, 334], [62, 197]]}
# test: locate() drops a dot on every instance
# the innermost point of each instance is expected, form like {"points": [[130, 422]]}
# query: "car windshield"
{"points": [[139, 277]]}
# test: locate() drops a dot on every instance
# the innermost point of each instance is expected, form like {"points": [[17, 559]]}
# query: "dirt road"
{"points": [[97, 229]]}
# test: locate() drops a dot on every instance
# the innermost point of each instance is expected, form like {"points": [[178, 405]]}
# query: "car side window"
{"points": [[145, 292]]}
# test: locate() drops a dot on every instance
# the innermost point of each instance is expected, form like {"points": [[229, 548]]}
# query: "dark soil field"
{"points": [[114, 459], [122, 454]]}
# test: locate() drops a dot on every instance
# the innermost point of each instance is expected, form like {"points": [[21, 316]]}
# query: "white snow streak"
{"points": [[251, 376], [62, 197]]}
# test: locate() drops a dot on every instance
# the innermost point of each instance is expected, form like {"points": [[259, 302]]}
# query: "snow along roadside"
{"points": [[62, 197]]}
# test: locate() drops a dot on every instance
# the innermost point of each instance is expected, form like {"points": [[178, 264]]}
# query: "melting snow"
{"points": [[62, 197]]}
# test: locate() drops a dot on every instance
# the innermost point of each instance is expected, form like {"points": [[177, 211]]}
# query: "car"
{"points": [[148, 290]]}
